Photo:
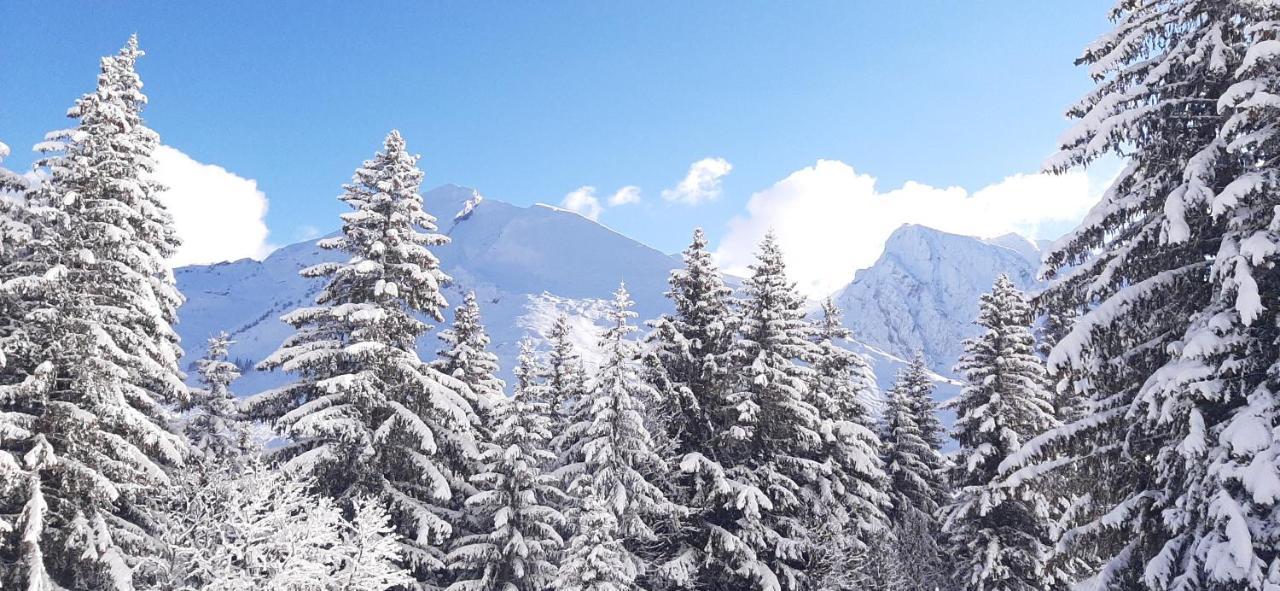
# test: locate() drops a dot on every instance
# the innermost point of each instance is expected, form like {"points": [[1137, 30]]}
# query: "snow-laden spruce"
{"points": [[467, 357], [88, 381], [690, 348], [596, 559], [851, 514], [564, 377], [15, 232], [687, 363], [911, 437], [262, 529], [366, 417], [915, 473], [1174, 272], [842, 383], [215, 426], [757, 479], [997, 536], [516, 498], [608, 445]]}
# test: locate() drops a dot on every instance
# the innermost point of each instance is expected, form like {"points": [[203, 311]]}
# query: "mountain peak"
{"points": [[922, 293]]}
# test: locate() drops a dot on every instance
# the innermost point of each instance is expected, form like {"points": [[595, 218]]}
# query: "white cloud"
{"points": [[624, 196], [584, 202], [831, 220], [702, 183], [218, 214]]}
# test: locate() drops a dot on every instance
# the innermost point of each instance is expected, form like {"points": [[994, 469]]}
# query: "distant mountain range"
{"points": [[528, 264]]}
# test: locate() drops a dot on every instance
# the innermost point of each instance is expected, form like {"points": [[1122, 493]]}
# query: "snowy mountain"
{"points": [[922, 293], [528, 264]]}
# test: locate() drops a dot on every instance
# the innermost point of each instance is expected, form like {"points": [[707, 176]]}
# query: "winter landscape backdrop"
{"points": [[452, 392]]}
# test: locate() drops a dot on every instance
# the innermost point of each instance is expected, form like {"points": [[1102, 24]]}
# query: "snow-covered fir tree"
{"points": [[564, 375], [997, 536], [608, 447], [910, 442], [596, 559], [365, 416], [1175, 351], [215, 427], [916, 479], [851, 513], [687, 363], [15, 233], [516, 497], [467, 357], [690, 348], [759, 479], [263, 529], [97, 357], [853, 509], [915, 382]]}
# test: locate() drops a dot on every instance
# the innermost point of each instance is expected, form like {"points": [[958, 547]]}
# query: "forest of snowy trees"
{"points": [[1119, 431]]}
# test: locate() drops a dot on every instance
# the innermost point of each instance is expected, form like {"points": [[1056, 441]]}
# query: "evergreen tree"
{"points": [[216, 428], [916, 385], [1175, 352], [841, 383], [564, 376], [596, 559], [516, 496], [758, 490], [688, 365], [915, 488], [997, 536], [97, 354], [467, 357], [608, 446], [690, 348], [15, 234], [366, 417]]}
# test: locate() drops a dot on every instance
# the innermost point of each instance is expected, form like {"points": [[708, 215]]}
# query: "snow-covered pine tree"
{"points": [[687, 363], [467, 357], [997, 536], [366, 417], [596, 559], [841, 385], [565, 378], [758, 491], [911, 434], [915, 488], [916, 383], [96, 302], [516, 498], [1175, 349], [690, 348], [215, 428], [608, 447], [15, 232]]}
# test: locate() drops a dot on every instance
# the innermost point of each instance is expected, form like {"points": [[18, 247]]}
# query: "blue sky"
{"points": [[529, 101]]}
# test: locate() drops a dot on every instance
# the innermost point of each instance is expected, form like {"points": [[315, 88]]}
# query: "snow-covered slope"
{"points": [[922, 293], [526, 264]]}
